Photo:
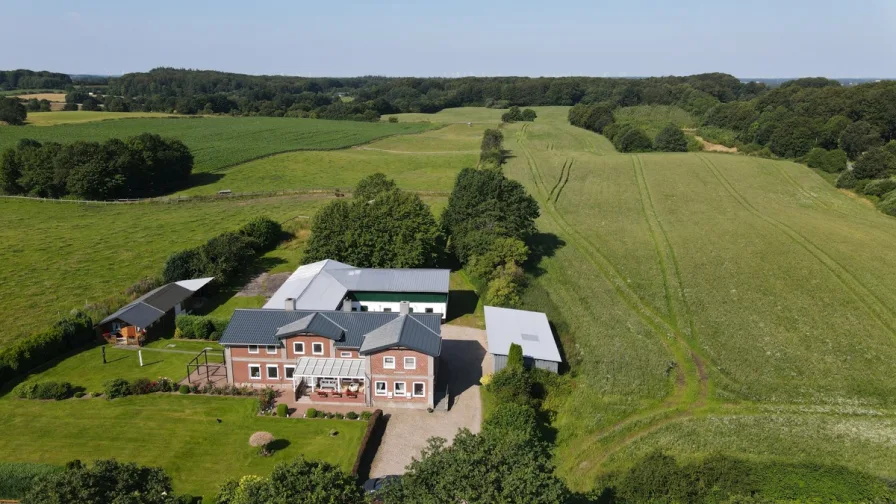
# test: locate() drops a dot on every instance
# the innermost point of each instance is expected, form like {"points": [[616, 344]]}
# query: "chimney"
{"points": [[347, 304], [289, 304], [404, 307]]}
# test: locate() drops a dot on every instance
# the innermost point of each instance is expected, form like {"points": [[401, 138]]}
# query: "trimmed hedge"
{"points": [[199, 327], [372, 423], [43, 390], [66, 334], [282, 410], [16, 477]]}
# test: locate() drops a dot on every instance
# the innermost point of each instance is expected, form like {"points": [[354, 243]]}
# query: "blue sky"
{"points": [[762, 38]]}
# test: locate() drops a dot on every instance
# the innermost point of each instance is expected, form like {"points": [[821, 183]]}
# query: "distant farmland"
{"points": [[219, 142]]}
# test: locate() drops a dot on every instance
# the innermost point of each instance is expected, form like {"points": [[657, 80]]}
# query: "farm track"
{"points": [[691, 388], [876, 307]]}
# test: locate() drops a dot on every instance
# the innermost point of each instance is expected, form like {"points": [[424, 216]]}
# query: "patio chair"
{"points": [[351, 395], [321, 393], [337, 394]]}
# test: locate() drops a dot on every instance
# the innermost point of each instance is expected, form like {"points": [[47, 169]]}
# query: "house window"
{"points": [[387, 310], [289, 371], [254, 371], [116, 326], [271, 349], [388, 362], [410, 309], [429, 310], [253, 348], [298, 347], [345, 354], [380, 388], [419, 389], [410, 363], [364, 308], [317, 348], [273, 371], [399, 388]]}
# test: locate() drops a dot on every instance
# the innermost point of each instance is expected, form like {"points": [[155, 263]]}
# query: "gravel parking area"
{"points": [[464, 357]]}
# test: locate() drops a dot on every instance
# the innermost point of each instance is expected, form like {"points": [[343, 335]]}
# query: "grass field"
{"points": [[453, 115], [654, 117], [59, 255], [220, 142], [83, 116], [708, 302]]}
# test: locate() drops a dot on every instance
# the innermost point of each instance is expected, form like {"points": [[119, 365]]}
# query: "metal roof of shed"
{"points": [[324, 284], [528, 329], [151, 306]]}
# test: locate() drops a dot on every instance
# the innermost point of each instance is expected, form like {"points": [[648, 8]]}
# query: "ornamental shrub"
{"points": [[515, 357], [184, 389], [339, 416], [115, 388], [141, 386], [79, 394], [43, 390], [282, 410], [512, 386], [365, 415], [311, 413], [351, 415]]}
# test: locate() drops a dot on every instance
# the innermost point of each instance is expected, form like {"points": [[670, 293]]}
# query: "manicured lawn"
{"points": [[465, 308], [56, 256], [86, 369], [219, 142], [179, 433], [226, 309], [185, 345]]}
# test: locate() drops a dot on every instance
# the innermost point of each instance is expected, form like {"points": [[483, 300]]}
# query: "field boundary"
{"points": [[209, 197]]}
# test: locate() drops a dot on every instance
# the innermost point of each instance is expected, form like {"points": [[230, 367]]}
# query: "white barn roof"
{"points": [[527, 329]]}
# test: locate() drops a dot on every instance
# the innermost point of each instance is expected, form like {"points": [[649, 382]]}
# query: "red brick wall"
{"points": [[241, 373], [409, 387], [376, 363], [243, 351], [308, 340]]}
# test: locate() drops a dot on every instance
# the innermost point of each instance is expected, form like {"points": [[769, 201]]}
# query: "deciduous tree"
{"points": [[670, 139], [12, 112]]}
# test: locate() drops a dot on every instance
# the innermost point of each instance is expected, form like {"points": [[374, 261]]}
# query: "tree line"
{"points": [[141, 166], [599, 118], [30, 79], [194, 91]]}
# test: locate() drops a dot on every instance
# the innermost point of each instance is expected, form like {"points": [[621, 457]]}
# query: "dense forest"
{"points": [[366, 98], [29, 79]]}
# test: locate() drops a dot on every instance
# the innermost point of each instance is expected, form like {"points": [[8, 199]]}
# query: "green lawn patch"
{"points": [[181, 434]]}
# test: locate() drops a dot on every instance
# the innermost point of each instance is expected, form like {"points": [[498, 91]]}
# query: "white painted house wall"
{"points": [[395, 307]]}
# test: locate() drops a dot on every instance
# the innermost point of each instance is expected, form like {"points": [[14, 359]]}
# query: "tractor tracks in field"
{"points": [[866, 297], [561, 181]]}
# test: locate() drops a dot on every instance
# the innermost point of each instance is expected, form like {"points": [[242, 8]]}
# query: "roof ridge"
{"points": [[428, 329], [331, 320]]}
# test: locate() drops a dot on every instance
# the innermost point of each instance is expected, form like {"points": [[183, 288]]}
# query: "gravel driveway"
{"points": [[464, 357]]}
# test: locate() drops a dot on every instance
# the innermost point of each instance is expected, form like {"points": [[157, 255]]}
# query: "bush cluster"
{"points": [[223, 256], [832, 161], [17, 477], [515, 115], [120, 387], [491, 150], [628, 138], [199, 327], [140, 166], [43, 390], [351, 415], [68, 333]]}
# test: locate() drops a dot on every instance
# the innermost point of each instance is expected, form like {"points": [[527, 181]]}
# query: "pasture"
{"points": [[708, 302], [82, 116], [221, 142], [57, 256], [652, 118]]}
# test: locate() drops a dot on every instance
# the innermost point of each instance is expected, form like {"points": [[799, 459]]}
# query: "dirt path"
{"points": [[711, 147]]}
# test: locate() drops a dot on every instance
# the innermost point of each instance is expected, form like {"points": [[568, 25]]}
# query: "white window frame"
{"points": [[268, 348], [345, 355], [414, 389], [251, 347], [404, 389], [267, 371], [404, 363], [294, 344], [388, 366], [286, 371], [376, 390], [314, 345], [387, 309], [250, 371]]}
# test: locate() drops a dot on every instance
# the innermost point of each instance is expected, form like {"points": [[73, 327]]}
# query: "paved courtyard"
{"points": [[464, 357]]}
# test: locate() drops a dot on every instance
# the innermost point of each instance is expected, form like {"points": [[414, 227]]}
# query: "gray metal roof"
{"points": [[342, 368], [419, 331], [151, 306], [323, 285], [528, 329], [316, 323]]}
